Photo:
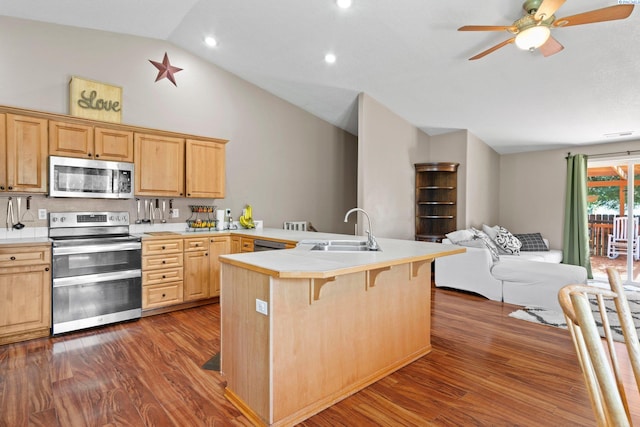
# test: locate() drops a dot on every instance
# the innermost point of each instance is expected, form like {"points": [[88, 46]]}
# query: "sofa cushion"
{"points": [[553, 256], [532, 242]]}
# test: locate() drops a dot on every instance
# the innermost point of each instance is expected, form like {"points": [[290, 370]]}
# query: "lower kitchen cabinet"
{"points": [[196, 267], [217, 246], [236, 244], [25, 292], [162, 273], [178, 271]]}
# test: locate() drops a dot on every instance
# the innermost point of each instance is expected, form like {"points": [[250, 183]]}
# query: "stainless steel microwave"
{"points": [[98, 179]]}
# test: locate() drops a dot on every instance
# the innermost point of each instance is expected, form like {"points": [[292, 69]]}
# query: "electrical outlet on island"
{"points": [[175, 213]]}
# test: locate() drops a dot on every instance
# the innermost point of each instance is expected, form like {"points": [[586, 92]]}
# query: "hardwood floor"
{"points": [[485, 369]]}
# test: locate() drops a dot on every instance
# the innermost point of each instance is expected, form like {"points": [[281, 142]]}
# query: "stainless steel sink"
{"points": [[342, 246]]}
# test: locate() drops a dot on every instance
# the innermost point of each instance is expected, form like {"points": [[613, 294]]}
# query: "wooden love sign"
{"points": [[94, 100]]}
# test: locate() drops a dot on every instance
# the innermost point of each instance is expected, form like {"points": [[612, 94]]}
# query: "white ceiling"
{"points": [[407, 55]]}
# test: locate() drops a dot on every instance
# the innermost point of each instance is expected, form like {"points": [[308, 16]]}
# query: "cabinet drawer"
{"points": [[161, 261], [161, 295], [19, 256], [247, 244], [154, 277], [196, 244], [156, 247]]}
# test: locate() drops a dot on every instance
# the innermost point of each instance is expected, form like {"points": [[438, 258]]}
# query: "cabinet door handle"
{"points": [[164, 262], [1, 187], [97, 155], [12, 258], [163, 248], [88, 154], [164, 277], [164, 295], [9, 188], [206, 254], [46, 269]]}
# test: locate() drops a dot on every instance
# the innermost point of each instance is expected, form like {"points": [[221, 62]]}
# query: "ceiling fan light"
{"points": [[533, 37]]}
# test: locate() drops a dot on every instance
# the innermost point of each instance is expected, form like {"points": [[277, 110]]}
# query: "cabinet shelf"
{"points": [[444, 202], [435, 187], [436, 200]]}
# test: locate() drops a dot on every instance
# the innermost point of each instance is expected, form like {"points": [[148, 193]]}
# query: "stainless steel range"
{"points": [[97, 276]]}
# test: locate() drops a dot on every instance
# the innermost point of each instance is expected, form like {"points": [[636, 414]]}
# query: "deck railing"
{"points": [[600, 227]]}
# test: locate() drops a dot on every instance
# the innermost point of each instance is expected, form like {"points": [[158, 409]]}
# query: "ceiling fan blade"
{"points": [[551, 47], [493, 49], [510, 28], [548, 8], [610, 13]]}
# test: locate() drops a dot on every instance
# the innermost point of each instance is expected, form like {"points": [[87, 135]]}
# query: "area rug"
{"points": [[556, 319], [213, 364]]}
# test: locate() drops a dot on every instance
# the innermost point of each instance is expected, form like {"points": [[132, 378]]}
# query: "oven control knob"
{"points": [[62, 219], [54, 219]]}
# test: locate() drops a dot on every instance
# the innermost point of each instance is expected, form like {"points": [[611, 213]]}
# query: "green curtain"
{"points": [[576, 249]]}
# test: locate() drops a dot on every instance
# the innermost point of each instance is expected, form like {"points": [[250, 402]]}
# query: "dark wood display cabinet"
{"points": [[436, 200]]}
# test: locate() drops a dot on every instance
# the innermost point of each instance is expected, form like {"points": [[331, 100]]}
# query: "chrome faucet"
{"points": [[372, 244]]}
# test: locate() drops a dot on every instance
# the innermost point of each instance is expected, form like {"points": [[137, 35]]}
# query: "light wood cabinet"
{"points": [[436, 200], [205, 166], [159, 165], [25, 292], [162, 273], [236, 244], [25, 154], [246, 244], [217, 246], [89, 142], [196, 268]]}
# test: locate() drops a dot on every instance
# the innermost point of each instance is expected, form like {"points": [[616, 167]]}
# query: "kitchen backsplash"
{"points": [[90, 205]]}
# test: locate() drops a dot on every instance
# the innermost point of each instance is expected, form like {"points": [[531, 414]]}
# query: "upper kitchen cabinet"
{"points": [[89, 142], [159, 165], [23, 146], [205, 168]]}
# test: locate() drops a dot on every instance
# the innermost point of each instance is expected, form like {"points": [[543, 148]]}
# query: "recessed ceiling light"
{"points": [[210, 41], [330, 58], [344, 4]]}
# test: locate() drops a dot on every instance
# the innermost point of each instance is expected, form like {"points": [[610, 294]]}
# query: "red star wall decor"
{"points": [[166, 70]]}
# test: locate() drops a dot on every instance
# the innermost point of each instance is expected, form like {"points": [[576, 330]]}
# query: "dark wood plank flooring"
{"points": [[485, 369]]}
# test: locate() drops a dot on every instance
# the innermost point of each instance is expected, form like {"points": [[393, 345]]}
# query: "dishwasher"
{"points": [[266, 245]]}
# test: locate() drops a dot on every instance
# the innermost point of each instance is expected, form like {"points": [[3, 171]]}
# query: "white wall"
{"points": [[288, 164], [532, 188], [388, 147], [478, 175], [482, 183]]}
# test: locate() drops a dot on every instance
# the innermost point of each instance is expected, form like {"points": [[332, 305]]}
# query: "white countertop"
{"points": [[302, 262]]}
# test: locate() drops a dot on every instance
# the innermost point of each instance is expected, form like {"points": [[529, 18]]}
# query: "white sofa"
{"points": [[528, 279]]}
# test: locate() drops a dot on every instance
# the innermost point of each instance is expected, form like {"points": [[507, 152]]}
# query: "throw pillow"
{"points": [[482, 236], [492, 232], [531, 242], [507, 242], [459, 236]]}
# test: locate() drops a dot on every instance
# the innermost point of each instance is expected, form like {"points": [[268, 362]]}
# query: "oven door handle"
{"points": [[84, 249], [96, 278]]}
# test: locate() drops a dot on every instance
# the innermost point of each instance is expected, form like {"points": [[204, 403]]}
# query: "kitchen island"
{"points": [[302, 329]]}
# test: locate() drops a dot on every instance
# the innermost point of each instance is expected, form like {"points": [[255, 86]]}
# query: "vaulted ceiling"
{"points": [[407, 54]]}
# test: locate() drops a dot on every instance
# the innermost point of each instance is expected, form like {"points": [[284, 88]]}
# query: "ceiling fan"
{"points": [[533, 30]]}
